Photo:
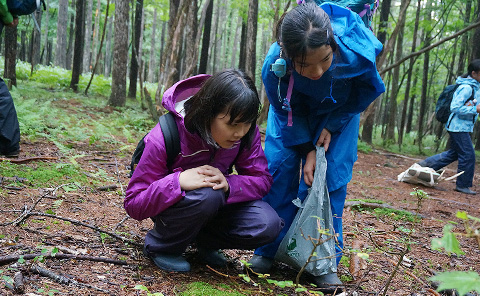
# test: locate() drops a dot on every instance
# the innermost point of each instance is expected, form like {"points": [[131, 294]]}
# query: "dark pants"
{"points": [[9, 128], [203, 217], [461, 149]]}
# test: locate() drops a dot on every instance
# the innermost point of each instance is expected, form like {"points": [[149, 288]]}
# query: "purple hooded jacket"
{"points": [[152, 188]]}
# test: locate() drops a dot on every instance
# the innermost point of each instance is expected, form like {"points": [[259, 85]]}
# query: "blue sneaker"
{"points": [[168, 262]]}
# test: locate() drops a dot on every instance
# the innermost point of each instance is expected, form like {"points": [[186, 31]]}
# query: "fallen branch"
{"points": [[79, 223], [19, 283], [25, 160], [4, 260], [61, 279], [372, 205]]}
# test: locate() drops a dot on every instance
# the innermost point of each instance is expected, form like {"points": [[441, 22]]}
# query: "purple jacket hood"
{"points": [[154, 187]]}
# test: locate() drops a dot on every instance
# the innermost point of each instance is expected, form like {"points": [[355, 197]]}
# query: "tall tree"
{"points": [[88, 36], [78, 48], [134, 63], [96, 30], [206, 39], [250, 55], [61, 45], [10, 55], [71, 36], [476, 36], [120, 55], [151, 62], [35, 45], [44, 54], [108, 48], [464, 46]]}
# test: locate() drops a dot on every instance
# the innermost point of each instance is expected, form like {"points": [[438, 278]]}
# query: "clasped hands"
{"points": [[203, 176], [311, 160]]}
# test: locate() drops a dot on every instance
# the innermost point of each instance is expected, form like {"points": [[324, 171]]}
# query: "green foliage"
{"points": [[201, 288], [364, 147], [463, 282], [448, 242], [44, 174], [145, 289]]}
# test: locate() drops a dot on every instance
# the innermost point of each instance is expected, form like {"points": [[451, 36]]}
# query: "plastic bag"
{"points": [[417, 174], [314, 214]]}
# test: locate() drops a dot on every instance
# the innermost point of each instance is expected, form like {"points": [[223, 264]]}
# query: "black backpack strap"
{"points": [[170, 135]]}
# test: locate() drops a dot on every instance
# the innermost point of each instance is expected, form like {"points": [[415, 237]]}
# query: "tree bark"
{"points": [[88, 36], [120, 55], [108, 48], [68, 65], [61, 45], [476, 36], [206, 39], [132, 88], [151, 62], [44, 56], [464, 44], [250, 55], [10, 55], [36, 40], [78, 49], [96, 30]]}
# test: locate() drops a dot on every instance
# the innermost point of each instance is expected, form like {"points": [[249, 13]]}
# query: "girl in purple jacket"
{"points": [[197, 199]]}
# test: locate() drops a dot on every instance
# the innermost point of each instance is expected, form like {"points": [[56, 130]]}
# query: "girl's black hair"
{"points": [[305, 27], [230, 91], [474, 66]]}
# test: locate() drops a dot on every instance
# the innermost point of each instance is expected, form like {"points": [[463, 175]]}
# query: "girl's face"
{"points": [[226, 134], [317, 61], [476, 75]]}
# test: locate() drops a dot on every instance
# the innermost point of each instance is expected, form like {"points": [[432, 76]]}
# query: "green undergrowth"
{"points": [[202, 288]]}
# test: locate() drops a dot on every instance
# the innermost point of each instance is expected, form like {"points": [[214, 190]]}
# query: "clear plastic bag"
{"points": [[312, 223]]}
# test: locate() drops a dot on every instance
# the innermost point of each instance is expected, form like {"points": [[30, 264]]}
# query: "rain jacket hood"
{"points": [[154, 187]]}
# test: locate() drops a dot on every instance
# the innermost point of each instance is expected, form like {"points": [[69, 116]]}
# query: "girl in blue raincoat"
{"points": [[319, 76]]}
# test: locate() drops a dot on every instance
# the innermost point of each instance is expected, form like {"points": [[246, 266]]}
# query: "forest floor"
{"points": [[75, 222]]}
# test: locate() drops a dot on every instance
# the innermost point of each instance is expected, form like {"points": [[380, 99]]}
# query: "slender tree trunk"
{"points": [[120, 55], [250, 55], [61, 45], [215, 37], [45, 36], [108, 48], [476, 36], [79, 39], [191, 50], [238, 28], [70, 39], [206, 39], [87, 55], [409, 76], [151, 62], [243, 46], [23, 46], [96, 30], [464, 44], [10, 55], [132, 89], [36, 40]]}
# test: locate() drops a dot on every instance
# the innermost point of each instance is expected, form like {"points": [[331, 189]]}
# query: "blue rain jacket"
{"points": [[346, 89], [464, 114]]}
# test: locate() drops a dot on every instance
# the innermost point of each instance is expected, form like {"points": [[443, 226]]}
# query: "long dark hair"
{"points": [[230, 91], [474, 66], [305, 27]]}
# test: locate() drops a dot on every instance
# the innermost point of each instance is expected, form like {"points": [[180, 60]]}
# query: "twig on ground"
{"points": [[13, 258], [25, 160], [62, 279], [18, 282]]}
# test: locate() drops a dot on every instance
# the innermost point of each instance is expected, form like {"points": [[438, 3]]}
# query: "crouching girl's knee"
{"points": [[206, 200]]}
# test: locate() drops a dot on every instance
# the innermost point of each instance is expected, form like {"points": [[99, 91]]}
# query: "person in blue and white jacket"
{"points": [[323, 76], [464, 112]]}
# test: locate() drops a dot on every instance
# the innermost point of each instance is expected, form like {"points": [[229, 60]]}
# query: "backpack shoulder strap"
{"points": [[170, 135]]}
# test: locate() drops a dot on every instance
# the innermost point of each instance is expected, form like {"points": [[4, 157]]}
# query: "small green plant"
{"points": [[420, 195], [145, 289]]}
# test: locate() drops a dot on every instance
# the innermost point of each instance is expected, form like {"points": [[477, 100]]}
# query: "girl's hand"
{"points": [[324, 139], [203, 176], [478, 108], [309, 167]]}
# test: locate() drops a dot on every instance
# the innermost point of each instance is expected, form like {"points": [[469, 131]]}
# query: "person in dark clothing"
{"points": [[9, 127]]}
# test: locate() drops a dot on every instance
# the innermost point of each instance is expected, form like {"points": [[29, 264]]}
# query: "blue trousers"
{"points": [[461, 149], [203, 217], [9, 128], [284, 165]]}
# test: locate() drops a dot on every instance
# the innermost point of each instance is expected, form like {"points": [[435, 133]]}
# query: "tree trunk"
{"points": [[61, 46], [36, 40], [190, 31], [10, 55], [96, 30], [476, 36], [151, 62], [44, 57], [409, 77], [108, 48], [70, 39], [250, 55], [120, 55], [215, 37], [23, 46], [79, 39], [88, 36], [464, 44], [132, 88], [426, 62], [243, 43], [206, 39]]}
